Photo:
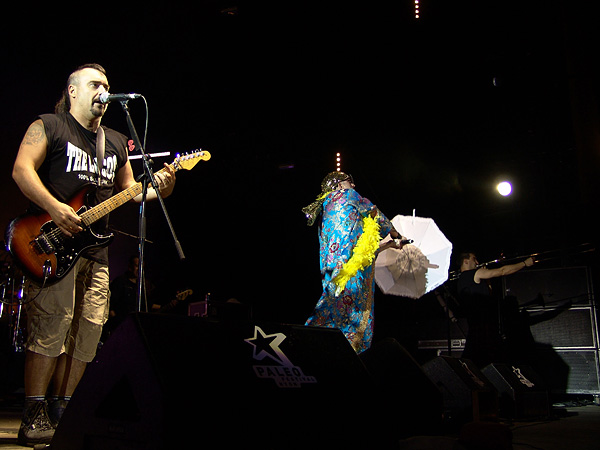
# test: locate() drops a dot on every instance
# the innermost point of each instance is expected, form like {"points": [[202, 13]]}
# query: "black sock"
{"points": [[56, 407]]}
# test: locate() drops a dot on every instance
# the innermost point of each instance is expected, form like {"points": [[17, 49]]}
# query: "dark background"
{"points": [[428, 114]]}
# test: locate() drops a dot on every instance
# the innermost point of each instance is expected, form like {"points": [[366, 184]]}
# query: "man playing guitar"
{"points": [[57, 159]]}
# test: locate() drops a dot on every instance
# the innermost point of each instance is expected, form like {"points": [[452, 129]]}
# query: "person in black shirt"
{"points": [[56, 159], [484, 341]]}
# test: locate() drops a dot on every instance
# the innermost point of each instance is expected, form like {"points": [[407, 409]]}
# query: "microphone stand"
{"points": [[146, 177], [442, 294]]}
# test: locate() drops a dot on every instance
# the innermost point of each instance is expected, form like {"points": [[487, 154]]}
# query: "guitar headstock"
{"points": [[189, 160], [183, 295]]}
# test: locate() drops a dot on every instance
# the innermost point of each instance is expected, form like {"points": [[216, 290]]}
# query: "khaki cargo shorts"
{"points": [[67, 317]]}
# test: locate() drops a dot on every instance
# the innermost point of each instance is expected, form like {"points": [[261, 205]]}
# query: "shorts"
{"points": [[67, 317]]}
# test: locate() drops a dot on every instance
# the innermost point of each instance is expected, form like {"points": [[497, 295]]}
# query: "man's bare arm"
{"points": [[30, 157], [486, 274]]}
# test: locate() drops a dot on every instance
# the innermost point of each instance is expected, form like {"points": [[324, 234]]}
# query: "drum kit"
{"points": [[12, 299]]}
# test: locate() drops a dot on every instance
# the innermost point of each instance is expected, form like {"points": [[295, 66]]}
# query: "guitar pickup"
{"points": [[44, 244]]}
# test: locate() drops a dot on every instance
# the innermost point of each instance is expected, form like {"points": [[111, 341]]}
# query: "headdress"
{"points": [[328, 185]]}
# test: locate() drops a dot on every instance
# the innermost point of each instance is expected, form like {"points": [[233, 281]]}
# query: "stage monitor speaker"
{"points": [[164, 382], [406, 394], [522, 394], [467, 393]]}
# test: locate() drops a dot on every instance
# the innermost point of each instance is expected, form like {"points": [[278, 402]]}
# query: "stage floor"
{"points": [[572, 427]]}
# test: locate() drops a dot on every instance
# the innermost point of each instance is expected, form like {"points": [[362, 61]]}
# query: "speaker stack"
{"points": [[562, 316]]}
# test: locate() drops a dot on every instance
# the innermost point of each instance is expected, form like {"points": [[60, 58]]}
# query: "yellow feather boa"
{"points": [[363, 254]]}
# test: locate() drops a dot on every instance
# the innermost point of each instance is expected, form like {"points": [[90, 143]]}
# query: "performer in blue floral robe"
{"points": [[348, 285]]}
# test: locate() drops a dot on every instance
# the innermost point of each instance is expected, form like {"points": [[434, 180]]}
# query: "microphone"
{"points": [[105, 97]]}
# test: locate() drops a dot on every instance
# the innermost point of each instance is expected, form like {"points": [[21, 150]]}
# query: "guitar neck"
{"points": [[97, 212]]}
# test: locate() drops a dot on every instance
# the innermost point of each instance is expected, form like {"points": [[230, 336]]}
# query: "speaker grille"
{"points": [[564, 325], [564, 328], [583, 373], [554, 285]]}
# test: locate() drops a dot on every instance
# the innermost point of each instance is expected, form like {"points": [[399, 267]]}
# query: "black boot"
{"points": [[35, 424]]}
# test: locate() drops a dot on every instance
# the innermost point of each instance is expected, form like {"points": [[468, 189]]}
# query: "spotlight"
{"points": [[504, 188]]}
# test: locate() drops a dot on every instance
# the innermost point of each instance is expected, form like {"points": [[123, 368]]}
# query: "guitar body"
{"points": [[43, 251]]}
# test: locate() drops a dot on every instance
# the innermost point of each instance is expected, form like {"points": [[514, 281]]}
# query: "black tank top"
{"points": [[70, 166]]}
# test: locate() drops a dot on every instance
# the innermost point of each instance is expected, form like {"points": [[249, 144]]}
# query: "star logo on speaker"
{"points": [[267, 346], [285, 373]]}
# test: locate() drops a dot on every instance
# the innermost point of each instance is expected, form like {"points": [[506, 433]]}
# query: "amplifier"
{"points": [[570, 371], [571, 327], [562, 317], [553, 287], [441, 344]]}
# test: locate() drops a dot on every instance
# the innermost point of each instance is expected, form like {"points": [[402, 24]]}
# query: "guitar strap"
{"points": [[100, 145]]}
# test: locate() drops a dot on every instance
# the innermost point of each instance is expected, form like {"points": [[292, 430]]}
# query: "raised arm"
{"points": [[485, 274]]}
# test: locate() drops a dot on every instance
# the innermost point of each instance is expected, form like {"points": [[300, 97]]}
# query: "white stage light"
{"points": [[504, 188]]}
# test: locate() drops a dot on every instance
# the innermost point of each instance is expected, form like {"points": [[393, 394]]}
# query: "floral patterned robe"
{"points": [[352, 310]]}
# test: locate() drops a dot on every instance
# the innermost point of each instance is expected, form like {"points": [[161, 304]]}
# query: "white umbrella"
{"points": [[417, 268]]}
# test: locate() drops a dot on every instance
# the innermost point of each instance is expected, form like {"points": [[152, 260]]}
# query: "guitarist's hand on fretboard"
{"points": [[165, 179]]}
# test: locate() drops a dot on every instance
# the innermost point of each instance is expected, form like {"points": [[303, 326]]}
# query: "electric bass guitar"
{"points": [[46, 254]]}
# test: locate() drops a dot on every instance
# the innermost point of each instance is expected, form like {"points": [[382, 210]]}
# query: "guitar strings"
{"points": [[57, 233]]}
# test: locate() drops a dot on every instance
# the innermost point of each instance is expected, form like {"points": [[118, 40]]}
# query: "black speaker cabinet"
{"points": [[552, 286], [569, 371], [467, 393], [164, 382], [522, 393], [561, 313], [411, 403], [564, 327]]}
